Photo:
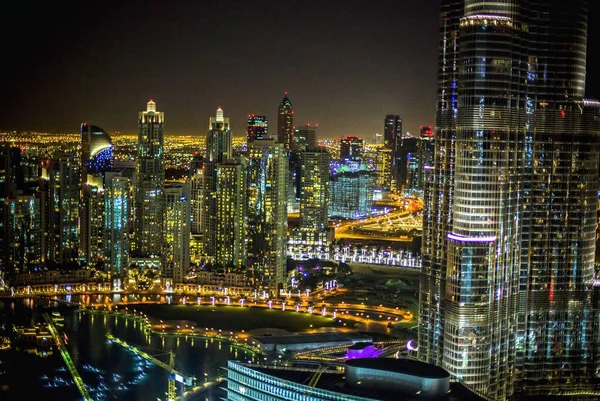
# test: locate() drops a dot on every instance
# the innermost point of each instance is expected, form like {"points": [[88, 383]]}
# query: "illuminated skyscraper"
{"points": [[177, 231], [351, 191], [230, 228], [509, 225], [117, 215], [392, 139], [267, 177], [285, 123], [149, 185], [257, 128], [63, 207], [96, 160], [314, 198], [218, 150]]}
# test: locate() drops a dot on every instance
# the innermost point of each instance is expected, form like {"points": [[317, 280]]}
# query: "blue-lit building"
{"points": [[367, 379], [118, 207], [351, 190], [257, 128]]}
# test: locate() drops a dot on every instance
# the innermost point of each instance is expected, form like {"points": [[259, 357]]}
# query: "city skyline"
{"points": [[364, 68]]}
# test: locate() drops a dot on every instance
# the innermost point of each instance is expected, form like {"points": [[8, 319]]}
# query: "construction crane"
{"points": [[174, 375], [67, 358]]}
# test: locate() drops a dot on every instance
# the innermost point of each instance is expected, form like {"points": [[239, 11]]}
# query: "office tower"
{"points": [[305, 137], [351, 148], [117, 219], [218, 150], [392, 139], [351, 191], [230, 227], [314, 198], [177, 231], [426, 147], [285, 123], [197, 201], [62, 211], [149, 205], [96, 160], [267, 178], [257, 128], [508, 239]]}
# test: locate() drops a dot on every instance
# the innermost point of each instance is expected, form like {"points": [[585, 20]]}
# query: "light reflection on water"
{"points": [[110, 372]]}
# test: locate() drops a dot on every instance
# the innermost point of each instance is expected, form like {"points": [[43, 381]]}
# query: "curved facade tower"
{"points": [[149, 186], [508, 248]]}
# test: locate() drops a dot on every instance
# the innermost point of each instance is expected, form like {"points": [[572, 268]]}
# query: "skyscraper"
{"points": [[285, 123], [230, 230], [392, 139], [257, 128], [117, 214], [314, 198], [506, 283], [305, 137], [218, 150], [149, 185], [267, 178], [177, 231], [351, 191]]}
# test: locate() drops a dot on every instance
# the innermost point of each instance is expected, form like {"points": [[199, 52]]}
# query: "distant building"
{"points": [[23, 250], [383, 167], [351, 191], [257, 128], [177, 231], [305, 137], [392, 139], [149, 185], [351, 148], [314, 197], [285, 123]]}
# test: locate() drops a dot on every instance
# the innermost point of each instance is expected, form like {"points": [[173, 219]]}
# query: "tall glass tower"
{"points": [[149, 185], [508, 249], [285, 123]]}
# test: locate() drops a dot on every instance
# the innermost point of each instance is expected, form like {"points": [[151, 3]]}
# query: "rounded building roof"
{"points": [[404, 366], [99, 140]]}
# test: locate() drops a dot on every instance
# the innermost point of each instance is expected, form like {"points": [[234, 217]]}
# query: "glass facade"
{"points": [[508, 249], [351, 191], [117, 214], [285, 123]]}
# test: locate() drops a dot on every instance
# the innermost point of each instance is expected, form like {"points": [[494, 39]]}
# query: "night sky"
{"points": [[345, 63]]}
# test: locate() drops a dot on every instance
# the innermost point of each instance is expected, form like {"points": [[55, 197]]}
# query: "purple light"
{"points": [[410, 346], [463, 238]]}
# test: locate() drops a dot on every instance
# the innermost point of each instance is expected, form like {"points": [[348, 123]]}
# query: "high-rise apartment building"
{"points": [[117, 216], [351, 191], [62, 208], [257, 128], [267, 178], [218, 150], [23, 250], [314, 198], [149, 204], [285, 123], [230, 214], [508, 239], [392, 139], [177, 231]]}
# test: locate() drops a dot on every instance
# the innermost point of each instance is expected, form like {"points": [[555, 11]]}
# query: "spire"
{"points": [[220, 118], [151, 106]]}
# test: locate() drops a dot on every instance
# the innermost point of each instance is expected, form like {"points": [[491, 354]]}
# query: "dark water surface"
{"points": [[109, 371]]}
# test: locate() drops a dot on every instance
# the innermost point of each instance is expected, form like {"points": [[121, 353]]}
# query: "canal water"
{"points": [[109, 371]]}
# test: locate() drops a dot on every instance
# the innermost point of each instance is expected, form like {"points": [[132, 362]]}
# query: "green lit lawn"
{"points": [[238, 318]]}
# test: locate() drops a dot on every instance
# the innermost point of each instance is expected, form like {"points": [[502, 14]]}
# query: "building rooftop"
{"points": [[336, 382], [406, 366]]}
